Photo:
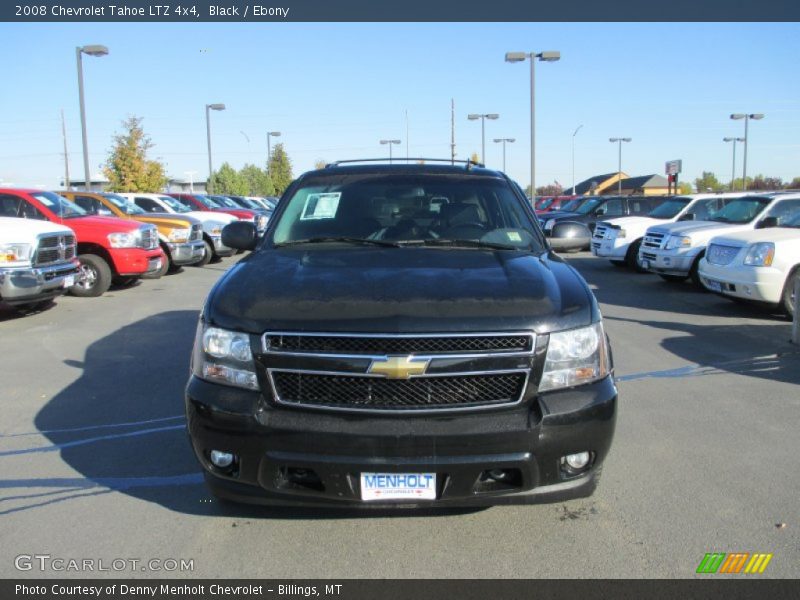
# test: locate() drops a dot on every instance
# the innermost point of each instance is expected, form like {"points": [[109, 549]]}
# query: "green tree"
{"points": [[280, 169], [128, 169], [257, 180], [474, 158], [794, 184], [684, 187], [708, 182], [765, 183], [552, 189], [320, 163], [227, 180]]}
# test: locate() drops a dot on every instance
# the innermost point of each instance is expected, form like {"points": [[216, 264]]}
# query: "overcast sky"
{"points": [[334, 90]]}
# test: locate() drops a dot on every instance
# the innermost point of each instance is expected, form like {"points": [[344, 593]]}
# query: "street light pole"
{"points": [[391, 143], [619, 159], [269, 150], [747, 118], [483, 117], [209, 108], [92, 50], [504, 140], [733, 168], [548, 56], [574, 133]]}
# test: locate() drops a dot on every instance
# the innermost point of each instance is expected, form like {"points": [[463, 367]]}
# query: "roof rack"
{"points": [[468, 164]]}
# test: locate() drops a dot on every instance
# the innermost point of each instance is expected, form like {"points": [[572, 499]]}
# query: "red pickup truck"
{"points": [[109, 249]]}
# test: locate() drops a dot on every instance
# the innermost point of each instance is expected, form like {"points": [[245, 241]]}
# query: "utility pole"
{"points": [[452, 131], [66, 156]]}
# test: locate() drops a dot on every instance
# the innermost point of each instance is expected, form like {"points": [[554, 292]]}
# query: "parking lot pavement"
{"points": [[95, 464]]}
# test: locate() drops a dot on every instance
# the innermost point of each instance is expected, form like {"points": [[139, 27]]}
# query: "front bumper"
{"points": [[134, 262], [186, 253], [221, 249], [611, 249], [762, 284], [667, 262], [528, 439], [31, 284]]}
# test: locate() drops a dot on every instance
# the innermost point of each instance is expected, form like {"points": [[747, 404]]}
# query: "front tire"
{"points": [[94, 277], [208, 254], [787, 298], [632, 258], [672, 278]]}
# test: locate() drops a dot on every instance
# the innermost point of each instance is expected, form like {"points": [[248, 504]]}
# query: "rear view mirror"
{"points": [[688, 217], [241, 235], [767, 222]]}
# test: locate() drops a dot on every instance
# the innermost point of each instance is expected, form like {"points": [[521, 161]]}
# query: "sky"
{"points": [[334, 90]]}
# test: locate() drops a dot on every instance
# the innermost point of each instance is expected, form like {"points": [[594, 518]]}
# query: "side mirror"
{"points": [[767, 222], [600, 211], [688, 217], [241, 235]]}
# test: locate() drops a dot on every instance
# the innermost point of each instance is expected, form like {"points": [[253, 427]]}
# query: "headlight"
{"points": [[216, 230], [575, 357], [621, 233], [678, 241], [123, 239], [760, 255], [223, 356], [548, 225], [179, 235], [15, 255], [261, 222]]}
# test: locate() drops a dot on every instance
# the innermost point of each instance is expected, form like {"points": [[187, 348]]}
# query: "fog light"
{"points": [[221, 459], [577, 461]]}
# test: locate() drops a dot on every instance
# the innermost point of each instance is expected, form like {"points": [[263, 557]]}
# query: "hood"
{"points": [[771, 234], [400, 290], [688, 227], [173, 220], [13, 228], [210, 217], [634, 222], [239, 213], [105, 224], [559, 214]]}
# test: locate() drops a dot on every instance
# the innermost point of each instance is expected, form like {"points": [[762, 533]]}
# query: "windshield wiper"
{"points": [[460, 243], [343, 240]]}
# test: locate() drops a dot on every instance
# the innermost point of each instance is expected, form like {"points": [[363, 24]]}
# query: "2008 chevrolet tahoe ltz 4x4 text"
{"points": [[401, 336]]}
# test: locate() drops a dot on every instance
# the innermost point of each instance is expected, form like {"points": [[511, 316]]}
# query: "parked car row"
{"points": [[741, 245], [83, 242]]}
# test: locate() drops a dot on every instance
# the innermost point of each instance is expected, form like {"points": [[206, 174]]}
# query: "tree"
{"points": [[684, 187], [227, 181], [257, 180], [127, 167], [794, 184], [280, 169], [765, 183], [320, 163], [474, 158], [708, 182], [552, 189]]}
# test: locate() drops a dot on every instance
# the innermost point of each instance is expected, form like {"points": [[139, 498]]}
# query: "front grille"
{"points": [[376, 393], [721, 255], [55, 248], [149, 238], [383, 345], [654, 239], [601, 231], [648, 256], [596, 245], [197, 232]]}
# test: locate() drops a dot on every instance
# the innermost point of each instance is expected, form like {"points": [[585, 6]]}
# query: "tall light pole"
{"points": [[483, 118], [504, 140], [619, 176], [270, 134], [733, 168], [209, 108], [391, 143], [548, 56], [92, 50], [746, 117], [574, 133]]}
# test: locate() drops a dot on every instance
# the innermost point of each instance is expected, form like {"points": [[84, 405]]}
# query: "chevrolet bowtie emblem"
{"points": [[399, 367]]}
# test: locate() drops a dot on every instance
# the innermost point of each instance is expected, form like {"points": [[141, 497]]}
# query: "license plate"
{"points": [[714, 286], [398, 486], [645, 264], [69, 281]]}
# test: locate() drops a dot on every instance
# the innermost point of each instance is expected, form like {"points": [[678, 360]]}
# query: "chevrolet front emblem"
{"points": [[399, 367]]}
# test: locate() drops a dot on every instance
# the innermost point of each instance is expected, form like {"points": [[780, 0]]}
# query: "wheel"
{"points": [[207, 255], [632, 257], [94, 277], [787, 298], [618, 263], [695, 274], [672, 278]]}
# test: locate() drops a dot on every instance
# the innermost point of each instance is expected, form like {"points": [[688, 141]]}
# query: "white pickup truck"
{"points": [[674, 250], [37, 261], [619, 239], [760, 265]]}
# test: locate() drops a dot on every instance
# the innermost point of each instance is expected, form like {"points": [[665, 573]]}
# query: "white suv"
{"points": [[619, 239], [674, 250], [760, 265]]}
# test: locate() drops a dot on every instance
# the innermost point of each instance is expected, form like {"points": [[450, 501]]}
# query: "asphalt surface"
{"points": [[94, 462]]}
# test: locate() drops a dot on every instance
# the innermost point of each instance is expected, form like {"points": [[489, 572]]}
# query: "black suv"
{"points": [[401, 335], [598, 208]]}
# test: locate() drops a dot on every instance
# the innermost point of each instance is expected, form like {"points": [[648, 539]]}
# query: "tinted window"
{"points": [[10, 206], [703, 209], [147, 204], [59, 205], [668, 209], [125, 205], [785, 210], [741, 210], [613, 208]]}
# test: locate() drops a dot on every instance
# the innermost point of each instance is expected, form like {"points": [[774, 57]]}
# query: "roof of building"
{"points": [[597, 181], [644, 181]]}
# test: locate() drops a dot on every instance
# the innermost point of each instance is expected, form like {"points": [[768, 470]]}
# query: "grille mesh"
{"points": [[398, 345], [197, 232], [372, 393], [721, 255], [55, 248]]}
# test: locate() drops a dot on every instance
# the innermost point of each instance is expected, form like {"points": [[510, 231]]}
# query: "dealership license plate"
{"points": [[69, 281], [714, 286], [398, 486]]}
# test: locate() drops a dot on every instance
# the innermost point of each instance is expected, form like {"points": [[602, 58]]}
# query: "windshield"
{"points": [[59, 205], [247, 202], [589, 205], [792, 221], [208, 202], [419, 209], [125, 205], [669, 209], [741, 210], [174, 204], [544, 203], [224, 201], [573, 204]]}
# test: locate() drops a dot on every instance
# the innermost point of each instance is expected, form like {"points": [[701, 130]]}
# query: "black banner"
{"points": [[407, 10]]}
